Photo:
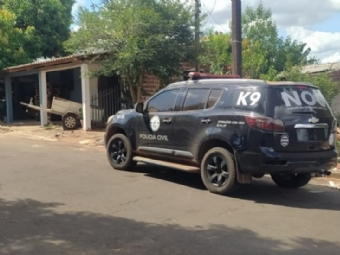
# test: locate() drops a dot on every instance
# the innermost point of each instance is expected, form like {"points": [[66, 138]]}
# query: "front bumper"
{"points": [[268, 161]]}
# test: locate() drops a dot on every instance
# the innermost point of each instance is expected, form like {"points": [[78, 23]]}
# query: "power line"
{"points": [[212, 17]]}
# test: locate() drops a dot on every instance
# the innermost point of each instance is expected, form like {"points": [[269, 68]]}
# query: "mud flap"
{"points": [[241, 177]]}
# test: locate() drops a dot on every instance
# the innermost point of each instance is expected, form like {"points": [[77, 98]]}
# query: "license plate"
{"points": [[311, 134]]}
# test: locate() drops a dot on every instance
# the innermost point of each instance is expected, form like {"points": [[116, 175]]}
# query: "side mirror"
{"points": [[139, 107]]}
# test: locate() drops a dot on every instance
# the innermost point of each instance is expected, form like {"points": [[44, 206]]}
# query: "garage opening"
{"points": [[23, 89]]}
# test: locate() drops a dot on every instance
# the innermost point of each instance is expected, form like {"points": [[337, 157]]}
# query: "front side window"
{"points": [[163, 102]]}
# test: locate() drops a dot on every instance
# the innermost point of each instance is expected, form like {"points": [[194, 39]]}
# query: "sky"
{"points": [[315, 22]]}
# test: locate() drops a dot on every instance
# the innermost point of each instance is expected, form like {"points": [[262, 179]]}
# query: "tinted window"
{"points": [[195, 99], [296, 99], [213, 97], [253, 100], [164, 102]]}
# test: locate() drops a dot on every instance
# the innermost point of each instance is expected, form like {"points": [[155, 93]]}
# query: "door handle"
{"points": [[206, 121], [167, 120]]}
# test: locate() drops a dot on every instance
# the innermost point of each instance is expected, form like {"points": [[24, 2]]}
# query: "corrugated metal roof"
{"points": [[321, 68], [42, 62]]}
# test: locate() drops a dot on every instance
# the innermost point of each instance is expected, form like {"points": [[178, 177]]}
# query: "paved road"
{"points": [[59, 199]]}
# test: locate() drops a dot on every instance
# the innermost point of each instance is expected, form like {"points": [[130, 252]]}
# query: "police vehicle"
{"points": [[230, 130]]}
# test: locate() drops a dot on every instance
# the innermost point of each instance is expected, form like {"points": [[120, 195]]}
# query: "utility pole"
{"points": [[197, 33], [237, 37]]}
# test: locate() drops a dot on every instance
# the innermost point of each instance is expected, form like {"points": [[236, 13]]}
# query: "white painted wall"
{"points": [[94, 83]]}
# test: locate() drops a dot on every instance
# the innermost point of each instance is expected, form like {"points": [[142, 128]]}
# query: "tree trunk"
{"points": [[140, 86], [133, 91]]}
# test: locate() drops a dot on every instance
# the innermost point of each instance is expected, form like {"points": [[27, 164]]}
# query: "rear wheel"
{"points": [[70, 121], [291, 181], [218, 171], [119, 153]]}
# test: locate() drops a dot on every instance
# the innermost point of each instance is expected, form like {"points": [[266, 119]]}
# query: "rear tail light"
{"points": [[265, 123], [331, 139], [335, 126]]}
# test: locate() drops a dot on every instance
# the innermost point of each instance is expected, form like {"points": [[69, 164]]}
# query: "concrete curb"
{"points": [[335, 174]]}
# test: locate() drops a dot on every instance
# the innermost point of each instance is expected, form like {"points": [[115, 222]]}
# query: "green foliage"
{"points": [[271, 75], [254, 61], [46, 21], [216, 52], [11, 38], [142, 37], [260, 29]]}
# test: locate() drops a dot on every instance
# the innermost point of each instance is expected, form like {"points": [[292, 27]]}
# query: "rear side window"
{"points": [[195, 99], [296, 99], [215, 94], [248, 99]]}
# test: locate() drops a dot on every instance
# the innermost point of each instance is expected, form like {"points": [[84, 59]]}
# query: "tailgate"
{"points": [[308, 120]]}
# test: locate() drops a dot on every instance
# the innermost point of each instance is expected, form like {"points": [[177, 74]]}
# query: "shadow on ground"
{"points": [[31, 227], [262, 191]]}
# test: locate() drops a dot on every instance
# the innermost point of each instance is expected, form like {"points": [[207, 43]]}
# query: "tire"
{"points": [[291, 181], [70, 121], [219, 178], [119, 153]]}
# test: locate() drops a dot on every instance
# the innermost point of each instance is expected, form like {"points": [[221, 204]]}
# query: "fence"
{"points": [[105, 104]]}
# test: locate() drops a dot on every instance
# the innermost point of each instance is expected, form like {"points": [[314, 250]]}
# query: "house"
{"points": [[334, 70], [65, 77]]}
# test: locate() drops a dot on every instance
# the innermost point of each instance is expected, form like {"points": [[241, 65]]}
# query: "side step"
{"points": [[185, 168]]}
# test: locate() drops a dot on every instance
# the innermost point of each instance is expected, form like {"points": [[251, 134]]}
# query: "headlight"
{"points": [[110, 119]]}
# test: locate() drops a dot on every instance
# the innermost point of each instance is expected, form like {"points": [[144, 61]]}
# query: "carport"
{"points": [[73, 68]]}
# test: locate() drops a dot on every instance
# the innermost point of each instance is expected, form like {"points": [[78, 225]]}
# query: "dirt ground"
{"points": [[53, 133]]}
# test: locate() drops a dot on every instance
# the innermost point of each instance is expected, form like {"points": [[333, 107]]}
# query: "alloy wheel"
{"points": [[118, 151], [217, 170]]}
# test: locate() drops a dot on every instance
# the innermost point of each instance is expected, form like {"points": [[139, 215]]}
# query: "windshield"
{"points": [[299, 99]]}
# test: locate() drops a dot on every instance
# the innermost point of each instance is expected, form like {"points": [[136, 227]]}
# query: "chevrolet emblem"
{"points": [[313, 120]]}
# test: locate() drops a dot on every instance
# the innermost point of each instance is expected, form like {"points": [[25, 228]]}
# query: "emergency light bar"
{"points": [[200, 76]]}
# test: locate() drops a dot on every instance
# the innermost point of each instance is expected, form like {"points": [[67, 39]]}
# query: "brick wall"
{"points": [[152, 83], [336, 75]]}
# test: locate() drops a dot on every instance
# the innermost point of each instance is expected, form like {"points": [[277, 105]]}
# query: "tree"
{"points": [[11, 39], [260, 29], [216, 52], [254, 61], [51, 20], [11, 51], [141, 37]]}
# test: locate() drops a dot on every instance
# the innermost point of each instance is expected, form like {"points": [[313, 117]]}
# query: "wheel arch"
{"points": [[112, 131], [209, 144]]}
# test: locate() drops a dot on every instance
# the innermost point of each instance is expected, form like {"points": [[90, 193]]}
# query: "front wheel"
{"points": [[218, 171], [291, 181], [119, 153]]}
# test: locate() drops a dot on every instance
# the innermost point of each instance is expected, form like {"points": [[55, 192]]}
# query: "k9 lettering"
{"points": [[153, 137], [253, 96]]}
